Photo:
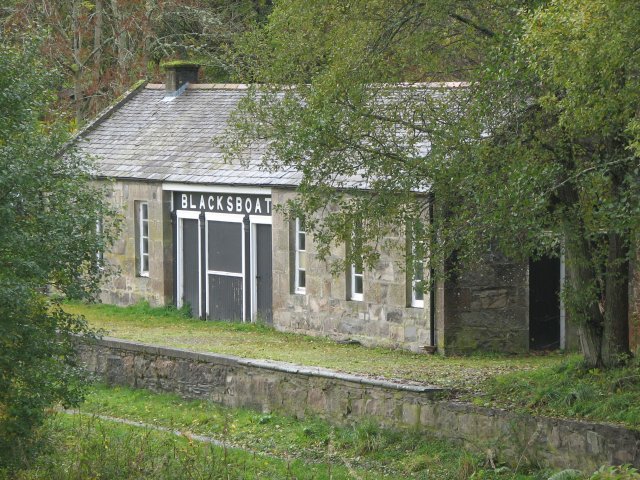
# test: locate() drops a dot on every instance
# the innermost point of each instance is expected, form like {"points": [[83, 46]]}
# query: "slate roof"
{"points": [[145, 137]]}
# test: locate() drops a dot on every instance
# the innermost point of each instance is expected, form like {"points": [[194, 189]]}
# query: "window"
{"points": [[143, 239], [356, 272], [417, 283], [417, 268], [357, 282], [100, 251], [300, 280]]}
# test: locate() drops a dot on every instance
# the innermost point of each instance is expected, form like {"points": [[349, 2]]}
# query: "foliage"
{"points": [[102, 46], [166, 326], [570, 390], [540, 145], [92, 448], [569, 474], [48, 242], [624, 472]]}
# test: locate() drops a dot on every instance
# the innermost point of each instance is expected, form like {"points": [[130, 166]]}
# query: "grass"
{"points": [[569, 390], [90, 448], [169, 327], [554, 384], [279, 447]]}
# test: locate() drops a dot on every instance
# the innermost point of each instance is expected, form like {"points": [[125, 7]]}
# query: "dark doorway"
{"points": [[225, 270], [544, 303], [190, 266], [263, 273]]}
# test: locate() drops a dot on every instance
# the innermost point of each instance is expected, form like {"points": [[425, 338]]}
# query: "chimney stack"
{"points": [[179, 72]]}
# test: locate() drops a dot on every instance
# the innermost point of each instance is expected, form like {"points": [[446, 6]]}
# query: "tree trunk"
{"points": [[615, 341], [78, 94], [120, 34], [582, 295], [97, 40], [150, 8]]}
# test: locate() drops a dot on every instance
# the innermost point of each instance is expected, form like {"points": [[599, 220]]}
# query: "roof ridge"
{"points": [[202, 86], [246, 86], [109, 110]]}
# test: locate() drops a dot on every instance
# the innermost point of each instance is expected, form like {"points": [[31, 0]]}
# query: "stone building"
{"points": [[208, 234]]}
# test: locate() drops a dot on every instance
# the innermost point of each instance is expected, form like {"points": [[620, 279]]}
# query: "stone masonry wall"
{"points": [[486, 309], [127, 287], [382, 318], [343, 399]]}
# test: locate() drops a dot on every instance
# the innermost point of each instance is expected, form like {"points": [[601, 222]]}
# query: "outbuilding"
{"points": [[208, 235]]}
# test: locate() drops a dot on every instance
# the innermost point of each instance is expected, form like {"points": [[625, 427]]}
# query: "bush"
{"points": [[49, 241]]}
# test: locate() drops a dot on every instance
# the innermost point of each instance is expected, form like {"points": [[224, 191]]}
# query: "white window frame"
{"points": [[142, 219], [353, 274], [416, 302], [357, 296], [300, 289], [99, 252]]}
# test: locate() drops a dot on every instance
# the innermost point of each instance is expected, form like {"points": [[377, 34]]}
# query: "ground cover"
{"points": [[554, 384], [82, 448], [569, 390], [256, 445], [169, 327]]}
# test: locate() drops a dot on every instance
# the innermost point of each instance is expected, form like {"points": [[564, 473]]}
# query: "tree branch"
{"points": [[587, 170], [467, 21]]}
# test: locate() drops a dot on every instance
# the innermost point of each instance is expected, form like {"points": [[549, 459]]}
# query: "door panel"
{"points": [[225, 246], [225, 298], [190, 265], [263, 273], [225, 255]]}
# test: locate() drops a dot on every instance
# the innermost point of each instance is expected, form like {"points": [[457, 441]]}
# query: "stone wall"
{"points": [[384, 317], [343, 399], [485, 309], [127, 287]]}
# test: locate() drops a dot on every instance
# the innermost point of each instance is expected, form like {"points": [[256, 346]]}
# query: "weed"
{"points": [[569, 474], [569, 390], [367, 437], [624, 472], [92, 448]]}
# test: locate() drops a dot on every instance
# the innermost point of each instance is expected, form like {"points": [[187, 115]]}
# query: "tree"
{"points": [[49, 242], [539, 146], [104, 46]]}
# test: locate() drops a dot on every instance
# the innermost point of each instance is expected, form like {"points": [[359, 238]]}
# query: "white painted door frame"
{"points": [[180, 216], [229, 218], [253, 221]]}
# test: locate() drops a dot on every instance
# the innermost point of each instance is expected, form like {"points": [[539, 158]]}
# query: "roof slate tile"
{"points": [[146, 138]]}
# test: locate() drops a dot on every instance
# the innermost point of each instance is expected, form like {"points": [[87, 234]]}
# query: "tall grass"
{"points": [[570, 390], [89, 448], [254, 445]]}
